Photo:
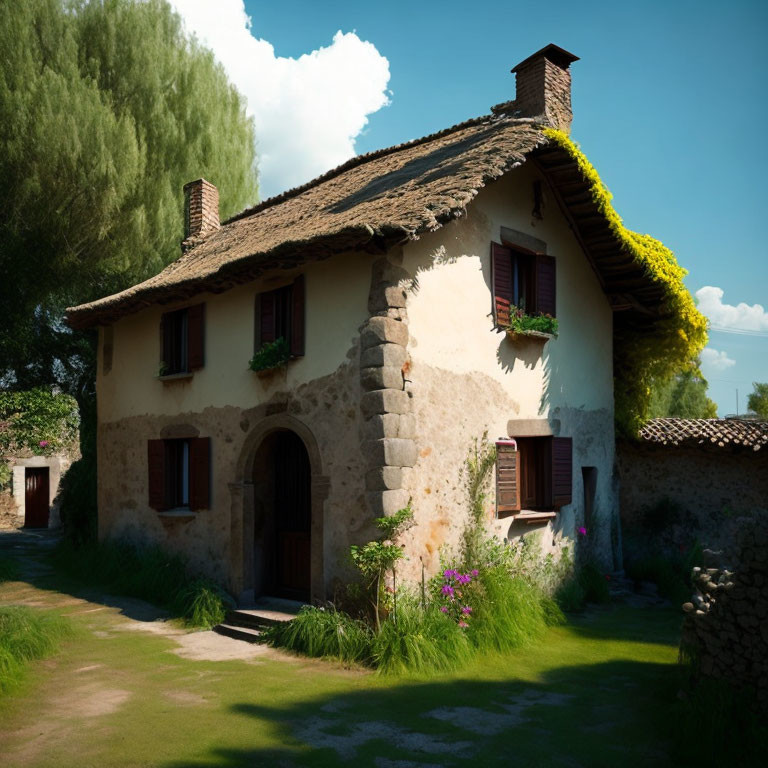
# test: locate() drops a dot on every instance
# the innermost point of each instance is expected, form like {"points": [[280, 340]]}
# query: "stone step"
{"points": [[238, 633], [265, 612]]}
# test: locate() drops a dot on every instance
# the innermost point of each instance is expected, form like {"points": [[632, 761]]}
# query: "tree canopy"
{"points": [[683, 396], [757, 401], [106, 110]]}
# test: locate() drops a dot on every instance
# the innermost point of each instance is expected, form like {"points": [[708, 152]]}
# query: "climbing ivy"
{"points": [[677, 338], [38, 421]]}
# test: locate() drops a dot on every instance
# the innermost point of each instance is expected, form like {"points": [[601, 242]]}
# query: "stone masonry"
{"points": [[726, 623], [388, 444]]}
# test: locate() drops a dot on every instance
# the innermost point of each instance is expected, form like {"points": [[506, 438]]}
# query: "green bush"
{"points": [[324, 632], [509, 613], [9, 570], [671, 574], [570, 595], [25, 635], [419, 640], [148, 573], [594, 584], [273, 354]]}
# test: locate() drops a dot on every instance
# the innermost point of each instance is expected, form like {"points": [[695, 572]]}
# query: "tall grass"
{"points": [[26, 635], [9, 569], [510, 613], [324, 632], [419, 640], [149, 573]]}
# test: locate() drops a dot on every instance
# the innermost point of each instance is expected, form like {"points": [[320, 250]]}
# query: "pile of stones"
{"points": [[726, 624]]}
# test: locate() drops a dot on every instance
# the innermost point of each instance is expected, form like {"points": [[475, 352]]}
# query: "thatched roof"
{"points": [[710, 432], [378, 200]]}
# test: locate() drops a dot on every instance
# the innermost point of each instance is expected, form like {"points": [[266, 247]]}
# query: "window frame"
{"points": [[281, 313], [182, 341], [179, 473]]}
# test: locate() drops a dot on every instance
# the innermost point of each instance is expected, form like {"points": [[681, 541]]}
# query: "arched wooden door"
{"points": [[292, 516], [36, 497]]}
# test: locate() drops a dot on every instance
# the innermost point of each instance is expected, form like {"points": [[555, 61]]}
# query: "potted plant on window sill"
{"points": [[272, 357], [539, 327]]}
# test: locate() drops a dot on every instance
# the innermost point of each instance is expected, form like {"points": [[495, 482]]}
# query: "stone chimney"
{"points": [[543, 88], [201, 212]]}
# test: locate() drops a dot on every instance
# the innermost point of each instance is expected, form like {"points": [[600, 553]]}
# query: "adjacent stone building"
{"points": [[380, 292]]}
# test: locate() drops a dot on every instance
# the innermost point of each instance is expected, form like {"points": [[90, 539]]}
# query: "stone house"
{"points": [[390, 281]]}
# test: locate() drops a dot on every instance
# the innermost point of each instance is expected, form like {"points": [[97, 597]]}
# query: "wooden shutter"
{"points": [[507, 479], [545, 285], [297, 317], [156, 478], [265, 318], [562, 471], [199, 472], [501, 279], [196, 336], [166, 341]]}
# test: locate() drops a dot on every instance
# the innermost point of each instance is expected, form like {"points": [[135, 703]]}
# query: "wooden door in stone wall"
{"points": [[36, 497], [292, 516]]}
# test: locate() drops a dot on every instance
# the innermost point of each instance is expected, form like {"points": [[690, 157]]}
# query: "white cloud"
{"points": [[308, 111], [743, 316], [714, 361]]}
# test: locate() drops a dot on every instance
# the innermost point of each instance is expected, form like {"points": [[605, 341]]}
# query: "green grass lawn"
{"points": [[600, 691]]}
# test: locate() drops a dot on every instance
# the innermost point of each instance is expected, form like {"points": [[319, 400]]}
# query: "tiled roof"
{"points": [[717, 432]]}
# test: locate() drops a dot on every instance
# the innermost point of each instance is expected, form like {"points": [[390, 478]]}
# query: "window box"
{"points": [[536, 336], [279, 328], [524, 290]]}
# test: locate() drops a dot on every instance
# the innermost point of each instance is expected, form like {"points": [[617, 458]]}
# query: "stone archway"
{"points": [[251, 506]]}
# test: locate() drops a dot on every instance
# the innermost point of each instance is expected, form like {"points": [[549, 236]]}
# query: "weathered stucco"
{"points": [[468, 379], [336, 305], [403, 370]]}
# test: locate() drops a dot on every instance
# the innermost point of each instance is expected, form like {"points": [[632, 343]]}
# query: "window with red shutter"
{"points": [[543, 472], [183, 340], [179, 473], [280, 315], [521, 279]]}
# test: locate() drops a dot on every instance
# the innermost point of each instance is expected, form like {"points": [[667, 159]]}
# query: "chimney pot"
{"points": [[201, 212], [543, 88]]}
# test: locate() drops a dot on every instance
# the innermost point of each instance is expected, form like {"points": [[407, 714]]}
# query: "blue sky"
{"points": [[669, 105]]}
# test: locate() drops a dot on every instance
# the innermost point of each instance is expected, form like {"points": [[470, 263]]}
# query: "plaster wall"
{"points": [[230, 404], [468, 379], [57, 466], [336, 305]]}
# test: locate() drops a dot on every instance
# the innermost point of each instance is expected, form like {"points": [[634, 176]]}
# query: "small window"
{"points": [[280, 315], [182, 340], [522, 279], [535, 475], [179, 473]]}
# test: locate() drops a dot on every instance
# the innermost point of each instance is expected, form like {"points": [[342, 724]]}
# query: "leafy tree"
{"points": [[757, 401], [106, 110], [683, 396]]}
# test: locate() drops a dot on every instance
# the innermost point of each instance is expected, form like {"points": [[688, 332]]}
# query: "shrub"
{"points": [[148, 573], [9, 570], [671, 574], [594, 584], [26, 635], [509, 613], [420, 640], [570, 594], [324, 632], [273, 354]]}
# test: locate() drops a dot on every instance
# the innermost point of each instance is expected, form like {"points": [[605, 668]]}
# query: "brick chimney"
{"points": [[543, 88], [201, 212]]}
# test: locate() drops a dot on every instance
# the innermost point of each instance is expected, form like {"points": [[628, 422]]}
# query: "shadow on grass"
{"points": [[31, 551], [619, 713], [658, 624]]}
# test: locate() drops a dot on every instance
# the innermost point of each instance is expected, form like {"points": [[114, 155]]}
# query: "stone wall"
{"points": [[726, 625], [701, 490]]}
